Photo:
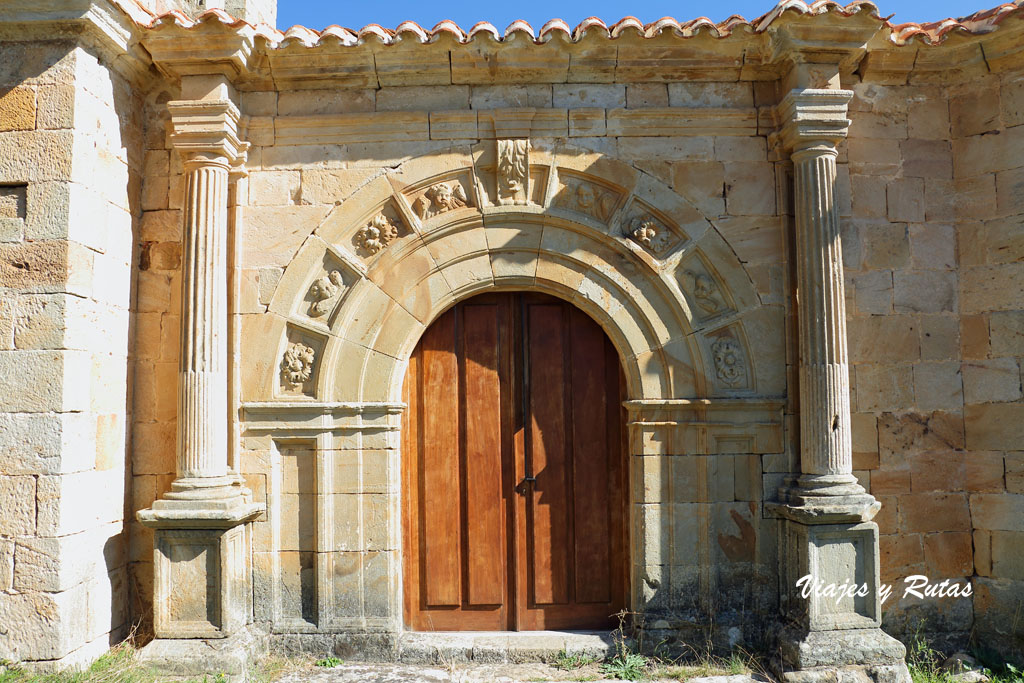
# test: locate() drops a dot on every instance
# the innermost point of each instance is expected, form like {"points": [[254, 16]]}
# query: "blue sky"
{"points": [[318, 14]]}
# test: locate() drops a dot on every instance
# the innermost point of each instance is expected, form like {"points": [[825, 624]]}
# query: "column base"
{"points": [[821, 502], [190, 657], [202, 577], [841, 655]]}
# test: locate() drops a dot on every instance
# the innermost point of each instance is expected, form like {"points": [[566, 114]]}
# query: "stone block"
{"points": [[332, 186], [735, 148], [992, 152], [274, 188], [886, 245], [873, 157], [1005, 332], [498, 96], [938, 386], [750, 188], [639, 95], [926, 158], [933, 512], [430, 98], [17, 108], [884, 387], [703, 183], [868, 193], [900, 554], [902, 341], [260, 103], [998, 512], [933, 246], [994, 426], [928, 119], [924, 291], [1008, 555], [940, 337], [992, 380], [992, 288], [312, 102], [902, 434], [905, 200], [976, 112], [18, 501], [574, 96], [873, 292], [711, 94]]}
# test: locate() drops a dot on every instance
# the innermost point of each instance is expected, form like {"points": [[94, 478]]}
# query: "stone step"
{"points": [[501, 647]]}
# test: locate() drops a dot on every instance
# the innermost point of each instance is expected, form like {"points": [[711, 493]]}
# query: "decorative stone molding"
{"points": [[513, 171], [378, 234], [704, 291]]}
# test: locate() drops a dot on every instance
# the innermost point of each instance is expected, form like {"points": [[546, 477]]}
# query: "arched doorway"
{"points": [[514, 498]]}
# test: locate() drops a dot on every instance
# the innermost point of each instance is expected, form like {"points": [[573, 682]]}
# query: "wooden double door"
{"points": [[513, 470]]}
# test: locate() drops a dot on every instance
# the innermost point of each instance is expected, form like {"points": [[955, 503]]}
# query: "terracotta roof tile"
{"points": [[931, 33]]}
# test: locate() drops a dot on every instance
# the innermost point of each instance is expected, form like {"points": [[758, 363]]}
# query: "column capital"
{"points": [[207, 132], [811, 117]]}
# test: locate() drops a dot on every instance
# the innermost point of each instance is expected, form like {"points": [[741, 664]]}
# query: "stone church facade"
{"points": [[224, 251]]}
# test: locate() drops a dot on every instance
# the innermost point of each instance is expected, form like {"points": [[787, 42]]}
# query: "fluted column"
{"points": [[205, 134], [815, 120], [202, 366]]}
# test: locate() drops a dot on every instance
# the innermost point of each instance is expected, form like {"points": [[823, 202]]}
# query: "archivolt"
{"points": [[638, 258]]}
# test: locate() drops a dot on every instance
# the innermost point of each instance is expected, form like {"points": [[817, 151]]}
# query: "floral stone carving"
{"points": [[297, 365], [378, 234], [728, 357], [513, 170], [649, 232], [439, 198], [325, 292]]}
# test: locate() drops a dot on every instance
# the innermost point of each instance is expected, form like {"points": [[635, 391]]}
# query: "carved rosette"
{"points": [[297, 365], [649, 232], [378, 234], [325, 292], [730, 368], [513, 171], [441, 198]]}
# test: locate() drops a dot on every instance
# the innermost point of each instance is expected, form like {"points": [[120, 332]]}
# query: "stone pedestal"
{"points": [[828, 547]]}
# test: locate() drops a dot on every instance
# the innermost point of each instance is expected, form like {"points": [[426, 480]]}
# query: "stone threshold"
{"points": [[501, 647]]}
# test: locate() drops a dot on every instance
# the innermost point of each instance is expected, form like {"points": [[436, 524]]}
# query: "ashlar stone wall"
{"points": [[70, 172], [933, 250]]}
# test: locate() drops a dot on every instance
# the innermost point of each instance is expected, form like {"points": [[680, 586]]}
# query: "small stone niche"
{"points": [[12, 201], [12, 211]]}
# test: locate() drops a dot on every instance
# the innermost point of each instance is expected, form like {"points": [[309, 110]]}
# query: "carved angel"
{"points": [[297, 365], [441, 197], [583, 198], [377, 235], [325, 291], [728, 360], [704, 291]]}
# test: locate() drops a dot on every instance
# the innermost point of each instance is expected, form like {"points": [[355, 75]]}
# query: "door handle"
{"points": [[521, 486]]}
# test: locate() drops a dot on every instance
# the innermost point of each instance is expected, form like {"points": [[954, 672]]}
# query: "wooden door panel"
{"points": [[440, 472], [483, 457], [548, 521], [590, 461]]}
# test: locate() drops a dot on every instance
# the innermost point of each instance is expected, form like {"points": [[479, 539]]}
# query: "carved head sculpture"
{"points": [[585, 196], [446, 197], [324, 290]]}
